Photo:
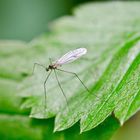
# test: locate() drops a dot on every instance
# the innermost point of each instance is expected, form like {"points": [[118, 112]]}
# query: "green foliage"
{"points": [[110, 70]]}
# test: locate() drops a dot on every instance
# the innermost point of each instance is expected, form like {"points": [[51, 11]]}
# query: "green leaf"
{"points": [[15, 125], [94, 111], [110, 69], [9, 102], [14, 55], [110, 64], [13, 118]]}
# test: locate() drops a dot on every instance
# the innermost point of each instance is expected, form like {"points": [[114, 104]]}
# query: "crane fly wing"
{"points": [[71, 56]]}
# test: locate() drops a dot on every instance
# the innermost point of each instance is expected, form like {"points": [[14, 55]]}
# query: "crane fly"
{"points": [[67, 58]]}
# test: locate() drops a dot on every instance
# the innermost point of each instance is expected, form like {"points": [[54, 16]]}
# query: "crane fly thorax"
{"points": [[51, 67]]}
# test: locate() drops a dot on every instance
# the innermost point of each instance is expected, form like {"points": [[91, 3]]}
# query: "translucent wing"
{"points": [[71, 56]]}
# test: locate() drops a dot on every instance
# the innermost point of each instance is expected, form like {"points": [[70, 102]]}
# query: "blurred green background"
{"points": [[27, 19]]}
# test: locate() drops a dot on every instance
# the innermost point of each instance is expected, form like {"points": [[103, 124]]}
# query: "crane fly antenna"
{"points": [[37, 64], [50, 61], [45, 87], [60, 86]]}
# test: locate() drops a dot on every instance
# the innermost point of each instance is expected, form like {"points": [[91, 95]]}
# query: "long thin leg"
{"points": [[45, 87], [37, 64], [77, 77], [60, 86]]}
